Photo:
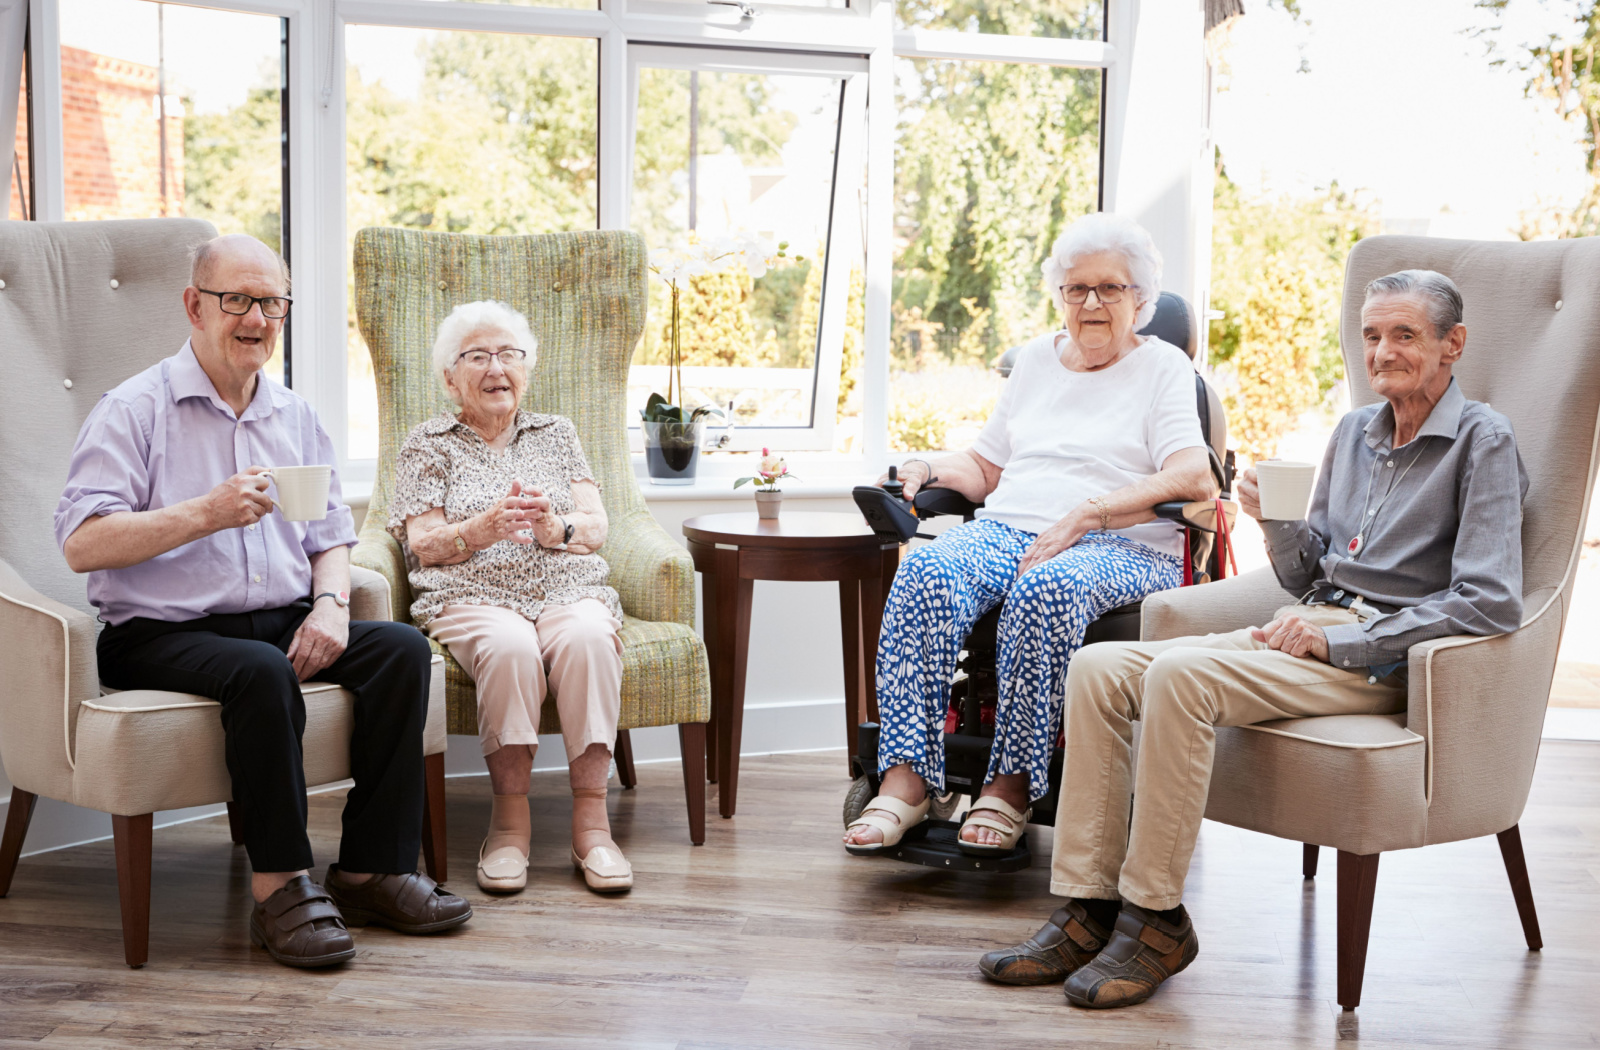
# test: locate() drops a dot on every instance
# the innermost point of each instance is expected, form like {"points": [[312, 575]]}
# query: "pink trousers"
{"points": [[573, 649]]}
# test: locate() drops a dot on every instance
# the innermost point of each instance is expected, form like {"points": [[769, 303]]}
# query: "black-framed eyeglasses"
{"points": [[510, 357], [1106, 293], [273, 307]]}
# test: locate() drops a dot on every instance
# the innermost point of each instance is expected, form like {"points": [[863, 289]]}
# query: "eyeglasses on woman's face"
{"points": [[1077, 294], [510, 357]]}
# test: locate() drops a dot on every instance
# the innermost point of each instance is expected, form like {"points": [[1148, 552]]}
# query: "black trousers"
{"points": [[238, 659]]}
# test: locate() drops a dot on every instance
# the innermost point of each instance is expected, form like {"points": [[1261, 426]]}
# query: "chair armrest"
{"points": [[652, 574], [379, 552], [1480, 702], [369, 595], [47, 662], [1248, 600], [1197, 514]]}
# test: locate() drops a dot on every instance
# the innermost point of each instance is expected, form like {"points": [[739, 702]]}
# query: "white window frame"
{"points": [[1130, 181]]}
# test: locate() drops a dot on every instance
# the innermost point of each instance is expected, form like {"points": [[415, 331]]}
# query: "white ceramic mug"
{"points": [[1285, 487], [302, 491]]}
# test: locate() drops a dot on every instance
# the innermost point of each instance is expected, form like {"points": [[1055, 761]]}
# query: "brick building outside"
{"points": [[113, 140]]}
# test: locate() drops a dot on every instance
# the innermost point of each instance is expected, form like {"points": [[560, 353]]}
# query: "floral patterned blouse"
{"points": [[444, 463]]}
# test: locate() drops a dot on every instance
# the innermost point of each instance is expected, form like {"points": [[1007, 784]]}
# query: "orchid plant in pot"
{"points": [[769, 498], [674, 434]]}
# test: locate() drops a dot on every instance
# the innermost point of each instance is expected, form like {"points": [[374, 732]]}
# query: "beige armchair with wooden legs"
{"points": [[1459, 762], [83, 306]]}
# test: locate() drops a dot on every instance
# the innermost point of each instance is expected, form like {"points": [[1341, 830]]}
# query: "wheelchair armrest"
{"points": [[933, 502], [1200, 514]]}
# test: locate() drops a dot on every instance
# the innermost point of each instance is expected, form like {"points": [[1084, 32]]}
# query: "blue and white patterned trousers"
{"points": [[940, 591]]}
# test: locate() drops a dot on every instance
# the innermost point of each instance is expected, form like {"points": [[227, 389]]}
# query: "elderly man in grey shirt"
{"points": [[1415, 532]]}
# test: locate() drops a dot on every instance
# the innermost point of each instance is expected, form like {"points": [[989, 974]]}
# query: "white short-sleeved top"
{"points": [[1061, 436]]}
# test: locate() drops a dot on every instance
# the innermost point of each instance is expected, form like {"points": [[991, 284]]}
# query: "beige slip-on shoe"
{"points": [[504, 870], [605, 869]]}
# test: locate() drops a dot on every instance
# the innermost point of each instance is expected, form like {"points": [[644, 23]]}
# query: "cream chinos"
{"points": [[574, 646], [1181, 689]]}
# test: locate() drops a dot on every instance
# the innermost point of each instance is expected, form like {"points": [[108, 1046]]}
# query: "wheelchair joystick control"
{"points": [[894, 486]]}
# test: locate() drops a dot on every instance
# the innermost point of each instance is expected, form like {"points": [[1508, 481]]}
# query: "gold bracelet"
{"points": [[1099, 504]]}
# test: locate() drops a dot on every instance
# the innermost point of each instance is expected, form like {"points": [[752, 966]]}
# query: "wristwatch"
{"points": [[461, 543], [340, 598], [566, 535]]}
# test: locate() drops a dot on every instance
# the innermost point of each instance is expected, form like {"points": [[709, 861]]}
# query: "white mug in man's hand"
{"points": [[1285, 487], [302, 491]]}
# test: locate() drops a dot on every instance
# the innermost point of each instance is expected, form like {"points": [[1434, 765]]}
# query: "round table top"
{"points": [[792, 529]]}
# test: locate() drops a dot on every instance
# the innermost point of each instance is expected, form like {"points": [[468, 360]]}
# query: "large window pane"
{"points": [[992, 161], [158, 119], [720, 154], [468, 133], [1072, 19]]}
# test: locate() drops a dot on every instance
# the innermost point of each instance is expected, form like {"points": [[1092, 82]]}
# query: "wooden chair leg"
{"points": [[132, 835], [1521, 889], [1358, 877], [17, 818], [435, 843], [692, 745], [1308, 860], [235, 825], [623, 753]]}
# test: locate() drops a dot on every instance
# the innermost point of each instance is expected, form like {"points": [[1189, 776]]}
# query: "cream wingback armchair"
{"points": [[1459, 762], [584, 296], [83, 306]]}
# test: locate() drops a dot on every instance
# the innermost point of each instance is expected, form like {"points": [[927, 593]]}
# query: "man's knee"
{"points": [[1099, 675], [1171, 682], [261, 682]]}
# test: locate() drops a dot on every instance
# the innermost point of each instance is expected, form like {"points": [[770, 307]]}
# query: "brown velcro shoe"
{"points": [[299, 925], [410, 903], [1144, 951], [1069, 940]]}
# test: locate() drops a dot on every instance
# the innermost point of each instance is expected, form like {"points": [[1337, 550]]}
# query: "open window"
{"points": [[730, 143]]}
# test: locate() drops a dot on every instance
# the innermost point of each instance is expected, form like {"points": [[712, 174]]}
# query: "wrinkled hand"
{"points": [[1057, 538], [1294, 635], [1248, 489], [510, 519], [913, 475], [241, 500], [321, 639]]}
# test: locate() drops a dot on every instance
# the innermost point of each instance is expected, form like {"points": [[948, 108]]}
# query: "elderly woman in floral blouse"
{"points": [[500, 519]]}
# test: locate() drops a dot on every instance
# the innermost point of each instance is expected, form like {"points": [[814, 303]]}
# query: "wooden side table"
{"points": [[735, 550]]}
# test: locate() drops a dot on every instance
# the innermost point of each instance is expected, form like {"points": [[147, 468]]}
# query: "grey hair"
{"points": [[1105, 232], [1443, 297], [468, 320]]}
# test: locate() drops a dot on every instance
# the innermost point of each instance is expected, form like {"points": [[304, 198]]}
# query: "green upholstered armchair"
{"points": [[584, 296]]}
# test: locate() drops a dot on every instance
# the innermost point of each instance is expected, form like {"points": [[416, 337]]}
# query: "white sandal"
{"points": [[1009, 834], [909, 816], [503, 871]]}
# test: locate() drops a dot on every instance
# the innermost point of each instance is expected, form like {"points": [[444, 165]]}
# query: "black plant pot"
{"points": [[672, 451]]}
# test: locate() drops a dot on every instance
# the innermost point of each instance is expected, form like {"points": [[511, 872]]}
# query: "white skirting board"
{"points": [[789, 726]]}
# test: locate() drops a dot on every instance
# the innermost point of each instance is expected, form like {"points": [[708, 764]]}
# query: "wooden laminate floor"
{"points": [[769, 935]]}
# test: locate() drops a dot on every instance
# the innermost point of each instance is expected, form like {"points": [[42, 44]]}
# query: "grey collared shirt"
{"points": [[1440, 521]]}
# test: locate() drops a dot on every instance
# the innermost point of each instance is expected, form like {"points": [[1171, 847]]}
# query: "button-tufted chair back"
{"points": [[84, 306]]}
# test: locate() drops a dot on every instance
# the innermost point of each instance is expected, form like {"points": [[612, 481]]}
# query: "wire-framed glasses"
{"points": [[510, 357], [1106, 293], [273, 307]]}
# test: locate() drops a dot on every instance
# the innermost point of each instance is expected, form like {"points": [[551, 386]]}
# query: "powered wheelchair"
{"points": [[974, 691]]}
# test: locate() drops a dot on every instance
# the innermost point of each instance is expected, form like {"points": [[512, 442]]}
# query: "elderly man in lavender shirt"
{"points": [[204, 590]]}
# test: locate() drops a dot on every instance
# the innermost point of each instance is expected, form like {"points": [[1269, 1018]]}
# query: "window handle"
{"points": [[746, 8]]}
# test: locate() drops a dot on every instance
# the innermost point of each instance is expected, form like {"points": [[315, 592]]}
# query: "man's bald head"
{"points": [[212, 255]]}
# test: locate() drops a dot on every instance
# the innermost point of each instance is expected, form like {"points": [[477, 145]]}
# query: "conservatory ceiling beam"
{"points": [[981, 47], [475, 17]]}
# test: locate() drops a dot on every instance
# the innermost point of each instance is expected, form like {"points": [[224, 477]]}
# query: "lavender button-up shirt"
{"points": [[166, 436]]}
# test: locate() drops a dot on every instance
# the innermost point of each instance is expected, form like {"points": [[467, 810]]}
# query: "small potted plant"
{"points": [[769, 498]]}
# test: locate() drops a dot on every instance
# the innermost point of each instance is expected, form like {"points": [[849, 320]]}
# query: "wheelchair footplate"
{"points": [[933, 845]]}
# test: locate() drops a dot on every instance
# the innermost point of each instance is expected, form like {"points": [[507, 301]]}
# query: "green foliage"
{"points": [[1073, 19], [1277, 273], [232, 173], [993, 161]]}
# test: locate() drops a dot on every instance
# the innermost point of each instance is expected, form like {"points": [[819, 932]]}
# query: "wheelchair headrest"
{"points": [[1173, 323]]}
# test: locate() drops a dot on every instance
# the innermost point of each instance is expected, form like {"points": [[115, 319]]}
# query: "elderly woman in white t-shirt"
{"points": [[1096, 426]]}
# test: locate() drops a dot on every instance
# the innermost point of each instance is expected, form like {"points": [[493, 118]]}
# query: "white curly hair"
{"points": [[1105, 232], [467, 320]]}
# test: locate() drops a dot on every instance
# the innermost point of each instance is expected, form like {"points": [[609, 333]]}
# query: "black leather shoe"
{"points": [[410, 903], [1064, 944]]}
